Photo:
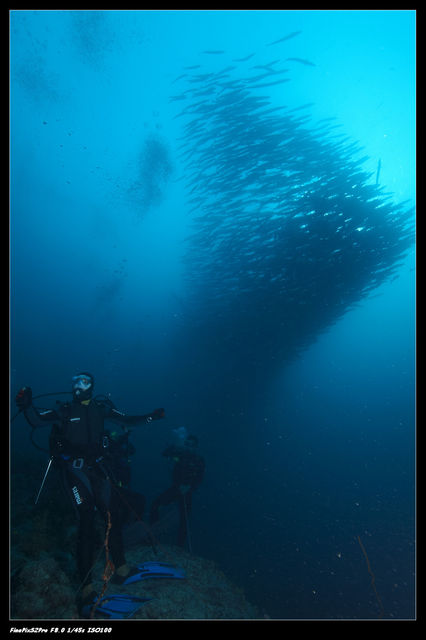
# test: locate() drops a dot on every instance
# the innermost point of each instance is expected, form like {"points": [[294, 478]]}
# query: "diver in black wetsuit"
{"points": [[121, 450], [79, 447], [188, 474]]}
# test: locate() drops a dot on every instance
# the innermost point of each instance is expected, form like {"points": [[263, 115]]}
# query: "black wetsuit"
{"points": [[79, 446], [188, 474], [121, 450]]}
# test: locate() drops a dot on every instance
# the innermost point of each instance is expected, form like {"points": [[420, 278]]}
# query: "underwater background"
{"points": [[152, 243]]}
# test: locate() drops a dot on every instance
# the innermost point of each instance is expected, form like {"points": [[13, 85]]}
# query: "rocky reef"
{"points": [[44, 582], [43, 591]]}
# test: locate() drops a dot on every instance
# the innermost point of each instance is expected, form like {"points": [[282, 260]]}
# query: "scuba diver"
{"points": [[82, 450], [121, 450], [188, 473]]}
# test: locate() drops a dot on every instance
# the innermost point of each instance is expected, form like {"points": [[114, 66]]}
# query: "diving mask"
{"points": [[82, 386]]}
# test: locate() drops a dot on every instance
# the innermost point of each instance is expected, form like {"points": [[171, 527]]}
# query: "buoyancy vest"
{"points": [[189, 467], [80, 432]]}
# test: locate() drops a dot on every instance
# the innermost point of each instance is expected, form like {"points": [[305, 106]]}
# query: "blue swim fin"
{"points": [[154, 570], [114, 606]]}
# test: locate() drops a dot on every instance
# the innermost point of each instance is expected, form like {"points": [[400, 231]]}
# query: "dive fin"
{"points": [[154, 570], [114, 606]]}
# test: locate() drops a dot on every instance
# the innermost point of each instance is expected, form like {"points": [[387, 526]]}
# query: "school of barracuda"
{"points": [[289, 232]]}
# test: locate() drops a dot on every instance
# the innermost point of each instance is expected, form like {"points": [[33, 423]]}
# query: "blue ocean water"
{"points": [[315, 473]]}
